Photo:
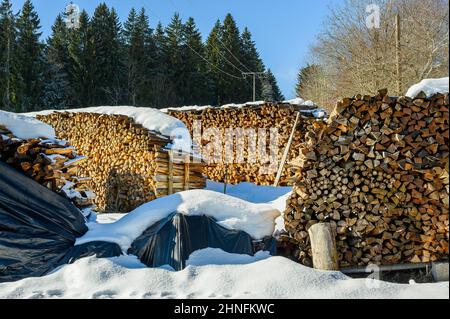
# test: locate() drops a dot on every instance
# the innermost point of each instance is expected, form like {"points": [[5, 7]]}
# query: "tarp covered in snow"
{"points": [[172, 240], [38, 229]]}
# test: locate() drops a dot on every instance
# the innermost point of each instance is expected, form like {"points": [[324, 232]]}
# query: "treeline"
{"points": [[101, 61], [354, 55]]}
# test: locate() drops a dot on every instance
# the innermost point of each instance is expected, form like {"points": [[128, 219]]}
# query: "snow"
{"points": [[430, 87], [258, 220], [216, 256], [25, 127], [317, 113], [238, 106], [296, 101], [274, 277], [151, 119], [274, 196], [251, 192], [300, 102], [187, 108]]}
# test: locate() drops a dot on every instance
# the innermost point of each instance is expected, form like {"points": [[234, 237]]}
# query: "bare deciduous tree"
{"points": [[355, 58]]}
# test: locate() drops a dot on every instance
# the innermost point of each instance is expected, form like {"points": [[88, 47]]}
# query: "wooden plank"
{"points": [[170, 175], [186, 173], [286, 152]]}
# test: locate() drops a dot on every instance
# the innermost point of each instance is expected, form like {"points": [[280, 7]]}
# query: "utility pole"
{"points": [[254, 74], [398, 51]]}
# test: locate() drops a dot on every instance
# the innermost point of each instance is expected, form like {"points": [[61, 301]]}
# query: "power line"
{"points": [[226, 48], [202, 57], [218, 50]]}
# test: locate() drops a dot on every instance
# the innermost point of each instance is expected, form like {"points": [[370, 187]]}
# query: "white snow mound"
{"points": [[429, 87], [300, 102], [258, 220], [125, 277], [25, 127]]}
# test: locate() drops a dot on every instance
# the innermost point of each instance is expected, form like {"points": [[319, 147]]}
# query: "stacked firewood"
{"points": [[52, 163], [128, 164], [378, 172], [215, 125]]}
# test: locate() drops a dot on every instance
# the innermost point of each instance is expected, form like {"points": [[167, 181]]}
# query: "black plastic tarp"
{"points": [[38, 229], [172, 240]]}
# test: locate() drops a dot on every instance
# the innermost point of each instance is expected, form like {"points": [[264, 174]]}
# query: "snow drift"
{"points": [[125, 277], [258, 220]]}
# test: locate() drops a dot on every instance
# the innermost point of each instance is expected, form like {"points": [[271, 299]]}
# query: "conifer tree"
{"points": [[139, 47], [270, 90], [108, 63], [196, 80], [81, 62], [173, 48], [161, 88], [7, 57], [57, 90], [253, 62], [212, 52], [231, 51], [30, 64]]}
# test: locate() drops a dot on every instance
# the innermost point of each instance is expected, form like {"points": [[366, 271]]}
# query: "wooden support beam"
{"points": [[286, 152]]}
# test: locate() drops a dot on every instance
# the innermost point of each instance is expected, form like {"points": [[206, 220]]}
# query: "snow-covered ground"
{"points": [[211, 273], [126, 277]]}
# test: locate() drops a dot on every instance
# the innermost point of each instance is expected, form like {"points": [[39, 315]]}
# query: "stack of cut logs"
{"points": [[52, 163], [127, 163], [378, 172], [265, 116]]}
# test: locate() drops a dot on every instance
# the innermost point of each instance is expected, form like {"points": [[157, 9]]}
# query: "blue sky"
{"points": [[282, 29]]}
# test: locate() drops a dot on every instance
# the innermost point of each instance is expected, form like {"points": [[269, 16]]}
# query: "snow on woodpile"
{"points": [[300, 102], [25, 127], [429, 87], [258, 220], [151, 119], [126, 277]]}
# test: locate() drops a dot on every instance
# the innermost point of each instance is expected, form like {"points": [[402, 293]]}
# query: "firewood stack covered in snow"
{"points": [[127, 163], [52, 163], [378, 172], [250, 116]]}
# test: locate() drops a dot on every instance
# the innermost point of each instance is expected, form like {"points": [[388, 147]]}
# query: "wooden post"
{"points": [[323, 246], [186, 172], [286, 152], [398, 53], [170, 176]]}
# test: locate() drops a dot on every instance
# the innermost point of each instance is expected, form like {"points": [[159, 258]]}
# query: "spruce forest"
{"points": [[103, 61]]}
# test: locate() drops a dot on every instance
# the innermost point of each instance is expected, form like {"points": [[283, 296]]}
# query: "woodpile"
{"points": [[126, 163], [52, 163], [378, 172], [256, 117]]}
